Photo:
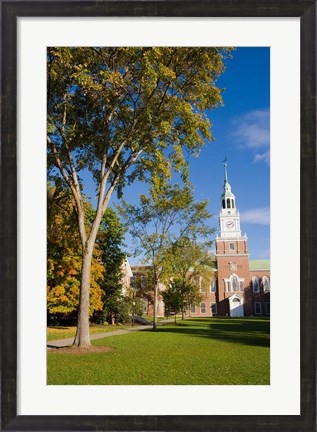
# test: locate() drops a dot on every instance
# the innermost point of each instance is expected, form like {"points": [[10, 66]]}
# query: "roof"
{"points": [[259, 264]]}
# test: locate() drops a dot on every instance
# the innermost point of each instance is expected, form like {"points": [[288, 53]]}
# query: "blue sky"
{"points": [[242, 134], [241, 129]]}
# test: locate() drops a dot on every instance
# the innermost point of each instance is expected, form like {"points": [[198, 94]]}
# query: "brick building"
{"points": [[241, 287]]}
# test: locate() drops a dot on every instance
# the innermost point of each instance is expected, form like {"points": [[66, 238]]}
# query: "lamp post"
{"points": [[133, 308]]}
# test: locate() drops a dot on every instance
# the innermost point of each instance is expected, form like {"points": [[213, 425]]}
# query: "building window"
{"points": [[255, 284], [213, 308], [202, 285], [266, 284], [241, 286], [228, 203], [257, 308], [213, 285], [267, 308], [203, 308], [223, 204], [231, 246], [192, 309], [235, 283], [227, 285]]}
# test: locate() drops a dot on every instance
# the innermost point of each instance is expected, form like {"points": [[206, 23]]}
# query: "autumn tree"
{"points": [[121, 114], [168, 214], [64, 258]]}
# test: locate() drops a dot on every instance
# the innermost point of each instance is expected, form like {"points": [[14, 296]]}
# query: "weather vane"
{"points": [[225, 165]]}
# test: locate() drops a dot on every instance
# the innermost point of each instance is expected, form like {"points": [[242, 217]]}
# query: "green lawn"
{"points": [[196, 351]]}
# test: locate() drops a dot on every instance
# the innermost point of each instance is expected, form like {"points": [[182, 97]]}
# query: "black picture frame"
{"points": [[10, 10]]}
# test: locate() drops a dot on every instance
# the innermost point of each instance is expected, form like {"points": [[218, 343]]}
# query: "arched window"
{"points": [[255, 284], [266, 284], [213, 285], [227, 286], [228, 203], [223, 203], [235, 285]]}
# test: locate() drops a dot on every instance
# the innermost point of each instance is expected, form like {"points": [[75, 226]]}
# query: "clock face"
{"points": [[230, 224]]}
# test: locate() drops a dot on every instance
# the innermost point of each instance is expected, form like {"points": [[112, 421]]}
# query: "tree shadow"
{"points": [[246, 331]]}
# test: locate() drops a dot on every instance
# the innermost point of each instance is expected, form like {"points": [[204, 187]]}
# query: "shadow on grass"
{"points": [[59, 328], [246, 331]]}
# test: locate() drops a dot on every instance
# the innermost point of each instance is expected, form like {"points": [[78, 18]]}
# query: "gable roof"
{"points": [[259, 264]]}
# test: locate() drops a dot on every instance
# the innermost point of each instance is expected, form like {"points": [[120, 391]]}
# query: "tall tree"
{"points": [[122, 114], [190, 267], [189, 260], [142, 285], [164, 217], [110, 240]]}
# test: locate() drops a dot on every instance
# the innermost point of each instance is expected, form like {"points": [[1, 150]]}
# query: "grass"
{"points": [[63, 332], [163, 318], [196, 351]]}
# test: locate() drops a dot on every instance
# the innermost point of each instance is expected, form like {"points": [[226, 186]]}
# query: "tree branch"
{"points": [[77, 197]]}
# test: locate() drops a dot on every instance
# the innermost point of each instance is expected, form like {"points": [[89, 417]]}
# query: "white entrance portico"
{"points": [[236, 305]]}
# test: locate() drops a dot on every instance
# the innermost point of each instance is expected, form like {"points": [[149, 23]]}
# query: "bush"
{"points": [[123, 312]]}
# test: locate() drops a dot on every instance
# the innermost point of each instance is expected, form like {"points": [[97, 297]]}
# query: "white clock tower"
{"points": [[232, 256], [229, 218]]}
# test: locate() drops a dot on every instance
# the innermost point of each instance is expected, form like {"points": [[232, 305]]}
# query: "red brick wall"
{"points": [[262, 297], [225, 270], [223, 246], [208, 298]]}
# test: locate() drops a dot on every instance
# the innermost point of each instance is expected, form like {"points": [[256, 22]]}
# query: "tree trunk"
{"points": [[82, 338], [155, 306]]}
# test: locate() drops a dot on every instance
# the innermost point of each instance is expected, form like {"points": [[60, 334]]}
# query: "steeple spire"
{"points": [[227, 198], [225, 166]]}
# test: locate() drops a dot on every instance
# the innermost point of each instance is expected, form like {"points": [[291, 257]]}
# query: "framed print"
{"points": [[286, 398]]}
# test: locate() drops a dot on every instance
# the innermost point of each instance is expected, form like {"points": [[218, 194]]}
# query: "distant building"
{"points": [[142, 281]]}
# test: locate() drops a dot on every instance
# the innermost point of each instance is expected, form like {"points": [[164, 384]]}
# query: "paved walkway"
{"points": [[59, 343]]}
